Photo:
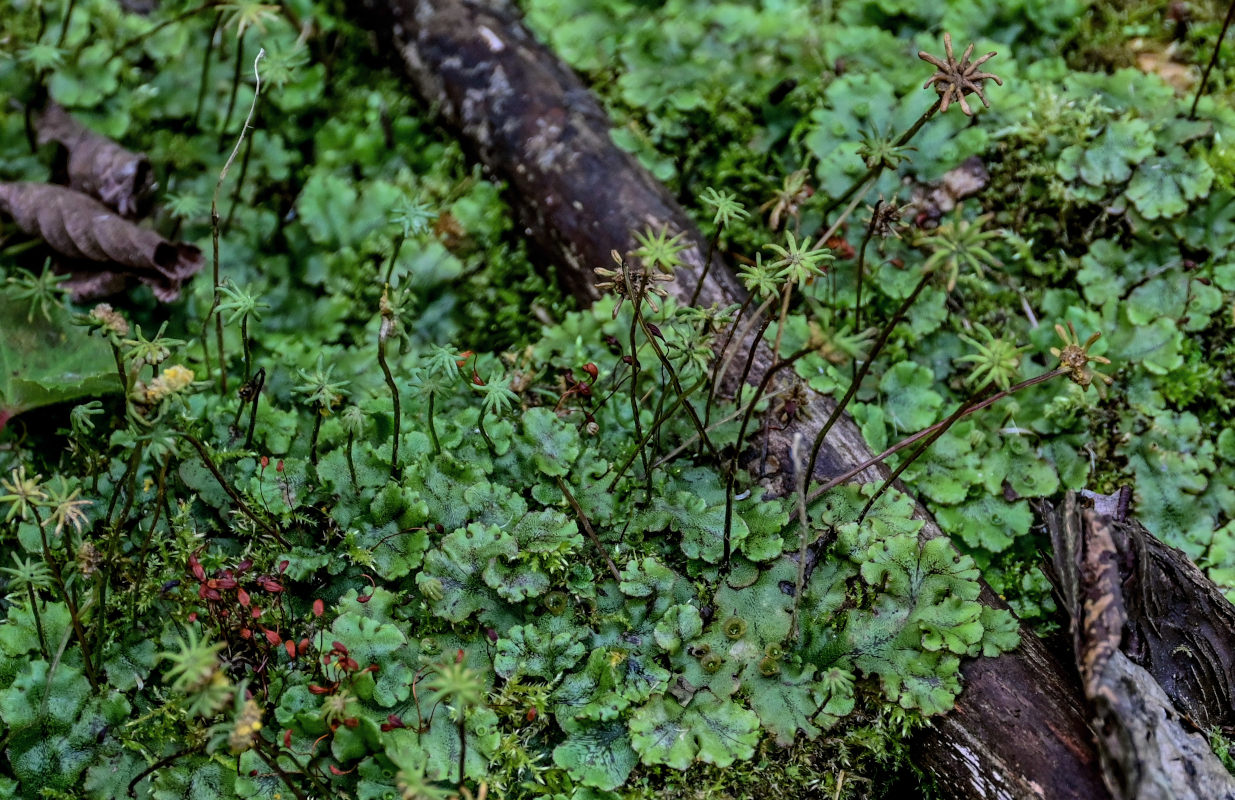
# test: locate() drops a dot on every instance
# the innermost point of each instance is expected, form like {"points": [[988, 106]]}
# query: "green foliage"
{"points": [[43, 359], [377, 637]]}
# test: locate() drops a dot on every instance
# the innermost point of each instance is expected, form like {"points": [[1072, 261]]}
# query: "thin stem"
{"points": [[64, 25], [857, 303], [587, 527], [146, 34], [827, 235], [395, 471], [780, 319], [214, 228], [634, 381], [113, 540], [158, 765], [480, 422], [875, 171], [1213, 59], [912, 457], [273, 763], [259, 383], [317, 429], [707, 265], [69, 601], [244, 341], [660, 420], [235, 497], [731, 477], [154, 524], [205, 76], [351, 465], [901, 445], [861, 373], [437, 448], [231, 100], [677, 384], [244, 171], [394, 255], [38, 622], [707, 411], [688, 443], [755, 319]]}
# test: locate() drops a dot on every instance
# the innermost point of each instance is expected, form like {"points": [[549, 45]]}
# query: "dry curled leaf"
{"points": [[98, 166], [103, 248]]}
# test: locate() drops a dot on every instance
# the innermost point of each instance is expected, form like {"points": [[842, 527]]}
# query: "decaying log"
{"points": [[1019, 729], [1107, 571]]}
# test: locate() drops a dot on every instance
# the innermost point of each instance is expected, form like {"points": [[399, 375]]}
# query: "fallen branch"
{"points": [[1019, 729], [1130, 645]]}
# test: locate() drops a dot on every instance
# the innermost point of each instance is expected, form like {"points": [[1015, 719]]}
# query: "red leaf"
{"points": [[272, 636], [315, 689], [195, 567], [283, 565], [339, 647], [319, 607], [287, 738], [335, 770], [291, 649], [243, 597]]}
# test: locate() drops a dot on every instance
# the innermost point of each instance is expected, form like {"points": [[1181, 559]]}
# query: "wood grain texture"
{"points": [[1018, 730], [1148, 752]]}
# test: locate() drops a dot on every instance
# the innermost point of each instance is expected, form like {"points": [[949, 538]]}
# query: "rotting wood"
{"points": [[1019, 728], [1106, 569]]}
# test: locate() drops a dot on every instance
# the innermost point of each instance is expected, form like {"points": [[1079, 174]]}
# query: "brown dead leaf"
{"points": [[103, 248], [1152, 58], [98, 166]]}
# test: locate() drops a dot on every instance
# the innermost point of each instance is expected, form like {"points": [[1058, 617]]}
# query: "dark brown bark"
{"points": [[1019, 728], [1131, 643]]}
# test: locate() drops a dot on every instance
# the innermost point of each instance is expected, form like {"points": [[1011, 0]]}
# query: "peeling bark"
{"points": [[1107, 570], [1019, 729]]}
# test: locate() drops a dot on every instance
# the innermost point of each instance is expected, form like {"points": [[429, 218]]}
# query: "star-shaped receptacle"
{"points": [[955, 79]]}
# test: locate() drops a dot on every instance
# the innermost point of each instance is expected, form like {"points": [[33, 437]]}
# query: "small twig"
{"points": [[1213, 59]]}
